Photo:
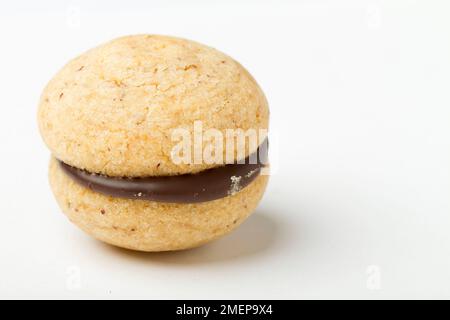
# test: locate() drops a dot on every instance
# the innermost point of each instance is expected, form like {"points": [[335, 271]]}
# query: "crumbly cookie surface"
{"points": [[152, 226], [112, 109]]}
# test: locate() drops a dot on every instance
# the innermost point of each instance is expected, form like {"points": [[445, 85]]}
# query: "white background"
{"points": [[359, 205]]}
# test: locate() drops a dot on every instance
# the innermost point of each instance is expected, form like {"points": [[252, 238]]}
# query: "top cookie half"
{"points": [[113, 109]]}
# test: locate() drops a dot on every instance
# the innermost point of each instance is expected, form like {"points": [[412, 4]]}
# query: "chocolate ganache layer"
{"points": [[204, 186]]}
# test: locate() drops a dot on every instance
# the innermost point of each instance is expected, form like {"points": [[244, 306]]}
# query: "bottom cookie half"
{"points": [[152, 226]]}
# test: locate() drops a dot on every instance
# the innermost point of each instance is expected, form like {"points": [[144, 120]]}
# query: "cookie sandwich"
{"points": [[152, 142]]}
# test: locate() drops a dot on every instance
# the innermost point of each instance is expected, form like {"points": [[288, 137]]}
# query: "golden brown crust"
{"points": [[112, 109]]}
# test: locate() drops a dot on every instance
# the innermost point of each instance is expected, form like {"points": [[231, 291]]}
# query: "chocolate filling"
{"points": [[204, 186]]}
